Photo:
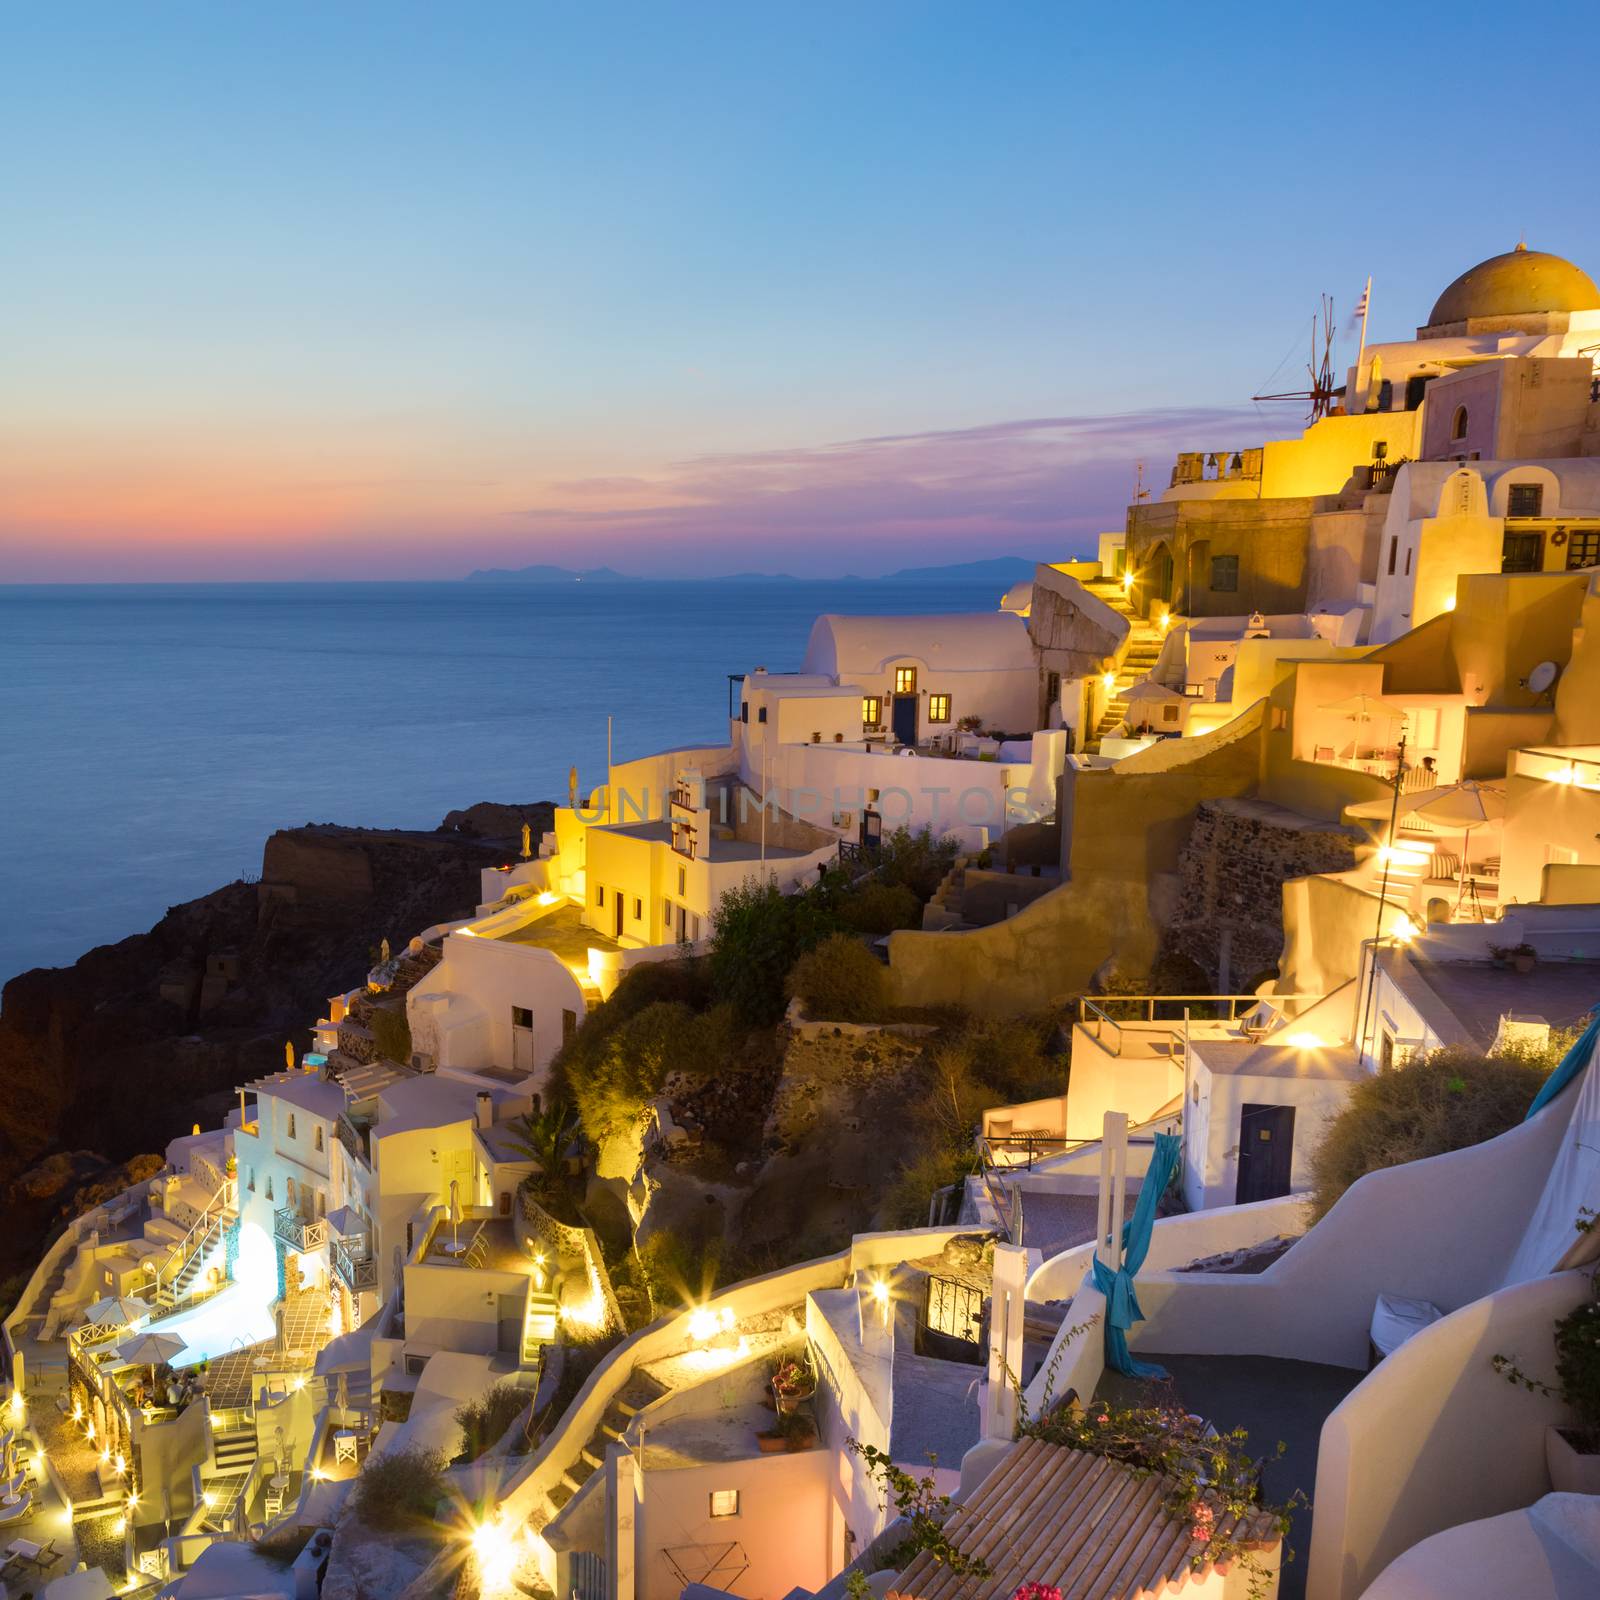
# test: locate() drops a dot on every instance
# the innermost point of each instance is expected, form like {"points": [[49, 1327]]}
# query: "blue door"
{"points": [[904, 713]]}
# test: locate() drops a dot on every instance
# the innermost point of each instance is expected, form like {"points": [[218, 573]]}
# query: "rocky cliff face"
{"points": [[137, 1040]]}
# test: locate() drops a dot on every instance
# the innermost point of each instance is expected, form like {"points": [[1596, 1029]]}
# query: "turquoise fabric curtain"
{"points": [[1572, 1063], [1122, 1304]]}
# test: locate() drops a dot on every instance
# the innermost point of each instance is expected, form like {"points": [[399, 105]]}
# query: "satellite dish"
{"points": [[1543, 676]]}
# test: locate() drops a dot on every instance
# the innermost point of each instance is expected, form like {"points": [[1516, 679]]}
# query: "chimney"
{"points": [[485, 1117]]}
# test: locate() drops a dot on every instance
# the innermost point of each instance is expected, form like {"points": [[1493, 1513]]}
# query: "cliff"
{"points": [[134, 1042]]}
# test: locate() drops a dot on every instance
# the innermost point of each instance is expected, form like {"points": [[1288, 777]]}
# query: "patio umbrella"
{"points": [[117, 1311], [150, 1350], [1361, 709], [1467, 804]]}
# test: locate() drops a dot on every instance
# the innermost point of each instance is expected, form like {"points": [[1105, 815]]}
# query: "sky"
{"points": [[355, 290]]}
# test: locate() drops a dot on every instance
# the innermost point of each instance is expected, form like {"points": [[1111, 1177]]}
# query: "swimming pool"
{"points": [[230, 1319]]}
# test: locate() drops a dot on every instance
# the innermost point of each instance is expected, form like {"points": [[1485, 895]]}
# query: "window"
{"points": [[1394, 551], [683, 880], [1052, 688], [1225, 574], [1525, 500], [569, 1025], [1522, 552], [1458, 423], [1408, 563], [871, 711], [724, 1502], [269, 1188], [905, 680], [744, 710], [1416, 388], [251, 1185], [666, 915], [316, 1137], [599, 894], [291, 1124], [638, 909], [938, 708], [521, 1016], [1583, 550], [761, 713]]}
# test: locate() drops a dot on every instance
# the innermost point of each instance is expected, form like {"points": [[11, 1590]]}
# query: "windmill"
{"points": [[1321, 394]]}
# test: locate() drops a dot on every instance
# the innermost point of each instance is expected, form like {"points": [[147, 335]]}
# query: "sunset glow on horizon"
{"points": [[391, 291]]}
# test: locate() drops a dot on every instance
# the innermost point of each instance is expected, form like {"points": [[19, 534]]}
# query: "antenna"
{"points": [[1318, 369]]}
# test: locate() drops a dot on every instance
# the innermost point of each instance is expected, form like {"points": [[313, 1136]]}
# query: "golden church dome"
{"points": [[1522, 282]]}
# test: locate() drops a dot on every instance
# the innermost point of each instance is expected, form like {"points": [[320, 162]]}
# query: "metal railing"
{"points": [[1095, 1015], [350, 1136], [200, 1237]]}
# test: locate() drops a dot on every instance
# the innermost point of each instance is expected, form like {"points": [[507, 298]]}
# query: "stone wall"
{"points": [[1238, 856]]}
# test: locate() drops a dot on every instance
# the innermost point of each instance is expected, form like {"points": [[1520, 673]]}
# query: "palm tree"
{"points": [[544, 1137]]}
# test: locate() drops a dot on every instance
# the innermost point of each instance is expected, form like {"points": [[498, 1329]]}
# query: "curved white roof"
{"points": [[979, 641]]}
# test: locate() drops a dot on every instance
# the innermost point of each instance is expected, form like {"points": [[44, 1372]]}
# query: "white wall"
{"points": [[462, 1008], [1435, 1436], [782, 1523]]}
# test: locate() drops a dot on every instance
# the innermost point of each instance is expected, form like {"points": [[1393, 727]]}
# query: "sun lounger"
{"points": [[17, 1509]]}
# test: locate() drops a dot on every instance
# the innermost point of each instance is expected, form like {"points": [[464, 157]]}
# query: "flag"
{"points": [[1360, 312]]}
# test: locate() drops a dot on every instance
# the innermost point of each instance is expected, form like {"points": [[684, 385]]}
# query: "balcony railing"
{"points": [[352, 1138], [353, 1263], [303, 1234]]}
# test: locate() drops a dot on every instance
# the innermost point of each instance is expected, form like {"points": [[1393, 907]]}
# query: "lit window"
{"points": [[1525, 500], [938, 708], [905, 680], [1583, 550], [871, 711], [724, 1502]]}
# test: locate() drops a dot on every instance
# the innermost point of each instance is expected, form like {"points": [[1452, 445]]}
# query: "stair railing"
{"points": [[199, 1236]]}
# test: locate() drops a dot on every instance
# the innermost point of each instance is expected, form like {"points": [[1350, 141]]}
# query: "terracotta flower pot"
{"points": [[771, 1443], [1572, 1471], [789, 1403]]}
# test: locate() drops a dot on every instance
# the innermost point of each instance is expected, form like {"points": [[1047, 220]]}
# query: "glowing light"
{"points": [[319, 1475], [1108, 681], [703, 1324], [715, 1357], [1127, 582], [496, 1554], [1405, 929], [590, 1314], [1450, 602], [77, 1411], [880, 1291], [122, 1464], [1305, 1041], [548, 897], [88, 1431], [133, 1500], [120, 1525], [256, 1268], [1566, 775], [299, 1384], [1164, 621], [209, 1498], [18, 1405]]}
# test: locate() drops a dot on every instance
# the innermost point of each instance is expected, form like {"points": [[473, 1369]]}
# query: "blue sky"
{"points": [[297, 289]]}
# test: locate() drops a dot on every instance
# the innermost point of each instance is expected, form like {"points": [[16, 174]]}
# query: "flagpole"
{"points": [[1366, 307]]}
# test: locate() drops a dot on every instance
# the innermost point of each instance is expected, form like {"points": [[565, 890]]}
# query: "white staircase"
{"points": [[538, 1324], [180, 1272]]}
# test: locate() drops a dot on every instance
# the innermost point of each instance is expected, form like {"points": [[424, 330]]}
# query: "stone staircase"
{"points": [[539, 1324], [1144, 647], [639, 1391], [944, 909]]}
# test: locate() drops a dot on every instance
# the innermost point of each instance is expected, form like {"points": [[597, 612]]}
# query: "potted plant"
{"points": [[797, 1430], [1572, 1450], [771, 1441], [1523, 957], [793, 1382]]}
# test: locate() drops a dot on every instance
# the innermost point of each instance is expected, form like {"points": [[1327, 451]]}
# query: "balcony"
{"points": [[353, 1138], [302, 1234], [354, 1264]]}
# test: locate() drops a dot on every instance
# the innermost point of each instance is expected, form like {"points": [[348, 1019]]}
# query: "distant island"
{"points": [[1004, 570]]}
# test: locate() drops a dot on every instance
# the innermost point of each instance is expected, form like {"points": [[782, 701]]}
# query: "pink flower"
{"points": [[1200, 1534], [1203, 1512], [1037, 1591], [1102, 1419]]}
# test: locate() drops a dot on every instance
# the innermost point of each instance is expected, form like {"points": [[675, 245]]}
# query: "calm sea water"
{"points": [[151, 737]]}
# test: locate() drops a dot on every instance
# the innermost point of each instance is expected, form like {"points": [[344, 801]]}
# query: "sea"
{"points": [[153, 736]]}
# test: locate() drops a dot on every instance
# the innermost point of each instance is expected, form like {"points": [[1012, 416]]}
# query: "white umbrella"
{"points": [[150, 1350], [117, 1311], [1467, 804]]}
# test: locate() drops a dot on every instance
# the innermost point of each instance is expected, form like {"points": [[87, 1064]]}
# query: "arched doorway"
{"points": [[1157, 573]]}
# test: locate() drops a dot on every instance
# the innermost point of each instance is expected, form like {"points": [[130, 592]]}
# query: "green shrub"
{"points": [[841, 981], [918, 861], [1445, 1101], [678, 1270], [391, 1035], [399, 1488], [759, 934], [483, 1421], [905, 1204], [879, 908]]}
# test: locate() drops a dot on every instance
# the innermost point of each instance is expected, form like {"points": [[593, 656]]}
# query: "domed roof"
{"points": [[1522, 282]]}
